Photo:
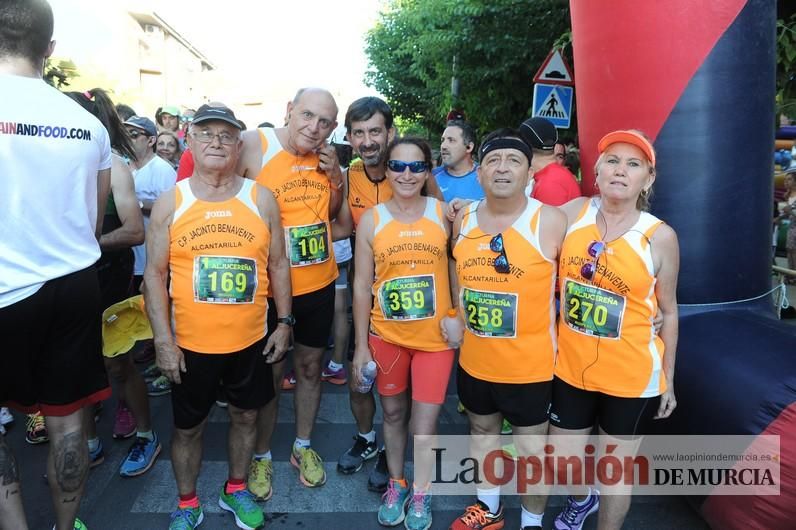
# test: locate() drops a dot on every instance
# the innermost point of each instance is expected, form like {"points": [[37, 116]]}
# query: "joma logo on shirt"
{"points": [[410, 233], [218, 213]]}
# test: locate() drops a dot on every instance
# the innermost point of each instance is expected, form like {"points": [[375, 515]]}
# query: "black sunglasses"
{"points": [[501, 262], [399, 166]]}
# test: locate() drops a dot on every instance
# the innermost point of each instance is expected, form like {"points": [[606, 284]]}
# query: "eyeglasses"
{"points": [[595, 250], [135, 134], [206, 137], [501, 262], [399, 166]]}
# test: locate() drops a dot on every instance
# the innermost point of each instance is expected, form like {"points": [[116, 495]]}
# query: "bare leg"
{"points": [[267, 416], [67, 465], [132, 388], [615, 502], [307, 365], [340, 326], [363, 406], [530, 441], [423, 426], [12, 515], [242, 431], [396, 416], [572, 442], [484, 438], [186, 456]]}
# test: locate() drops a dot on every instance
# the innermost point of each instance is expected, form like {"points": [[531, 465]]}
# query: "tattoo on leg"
{"points": [[71, 462], [8, 464]]}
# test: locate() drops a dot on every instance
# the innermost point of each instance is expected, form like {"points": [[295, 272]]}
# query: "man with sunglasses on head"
{"points": [[505, 247], [215, 248], [301, 169], [152, 176]]}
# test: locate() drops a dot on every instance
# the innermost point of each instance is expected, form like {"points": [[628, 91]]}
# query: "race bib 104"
{"points": [[224, 279], [408, 298], [593, 311], [489, 314], [307, 245]]}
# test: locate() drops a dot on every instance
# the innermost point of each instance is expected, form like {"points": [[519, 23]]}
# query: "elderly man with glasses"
{"points": [[505, 247], [215, 251]]}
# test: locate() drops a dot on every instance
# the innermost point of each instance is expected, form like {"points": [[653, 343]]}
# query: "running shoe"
{"points": [[261, 472], [159, 387], [574, 513], [352, 460], [5, 416], [289, 381], [379, 475], [392, 510], [36, 430], [336, 377], [186, 518], [97, 456], [141, 456], [124, 425], [418, 515], [241, 503], [478, 517], [310, 466], [151, 373]]}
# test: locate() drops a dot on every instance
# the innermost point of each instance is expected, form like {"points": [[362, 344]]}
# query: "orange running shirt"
{"points": [[218, 259], [509, 318], [303, 195], [411, 291], [363, 193], [606, 338]]}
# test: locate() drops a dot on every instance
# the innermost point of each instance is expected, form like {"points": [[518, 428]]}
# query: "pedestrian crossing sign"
{"points": [[553, 102]]}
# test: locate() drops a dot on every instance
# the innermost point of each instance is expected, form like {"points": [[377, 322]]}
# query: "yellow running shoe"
{"points": [[310, 466], [261, 471]]}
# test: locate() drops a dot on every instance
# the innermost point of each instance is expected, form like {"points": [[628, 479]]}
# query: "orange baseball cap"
{"points": [[628, 137]]}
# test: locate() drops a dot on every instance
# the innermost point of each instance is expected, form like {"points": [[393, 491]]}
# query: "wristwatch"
{"points": [[288, 320]]}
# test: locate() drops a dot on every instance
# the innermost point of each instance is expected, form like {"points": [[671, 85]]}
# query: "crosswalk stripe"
{"points": [[335, 409], [341, 493]]}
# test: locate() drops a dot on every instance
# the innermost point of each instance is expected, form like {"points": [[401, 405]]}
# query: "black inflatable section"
{"points": [[715, 168], [735, 372]]}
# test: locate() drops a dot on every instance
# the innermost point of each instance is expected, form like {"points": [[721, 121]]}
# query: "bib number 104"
{"points": [[311, 246]]}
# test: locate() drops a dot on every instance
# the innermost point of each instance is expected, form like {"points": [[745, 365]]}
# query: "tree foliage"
{"points": [[59, 72], [498, 44], [786, 66]]}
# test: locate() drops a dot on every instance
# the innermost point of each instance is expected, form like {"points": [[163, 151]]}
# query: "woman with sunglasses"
{"points": [[401, 296], [505, 248], [618, 266]]}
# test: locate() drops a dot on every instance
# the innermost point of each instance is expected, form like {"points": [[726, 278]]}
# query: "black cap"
{"points": [[539, 133], [207, 113]]}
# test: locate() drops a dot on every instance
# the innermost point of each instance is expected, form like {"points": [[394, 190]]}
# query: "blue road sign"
{"points": [[553, 102]]}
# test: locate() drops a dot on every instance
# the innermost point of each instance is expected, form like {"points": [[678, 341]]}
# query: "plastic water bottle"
{"points": [[367, 376], [452, 329]]}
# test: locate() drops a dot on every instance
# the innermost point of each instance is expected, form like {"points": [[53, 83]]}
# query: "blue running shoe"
{"points": [[141, 456]]}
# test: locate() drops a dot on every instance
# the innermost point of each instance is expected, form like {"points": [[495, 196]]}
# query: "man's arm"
{"points": [[103, 189], [131, 233], [278, 274], [364, 268], [170, 358], [330, 166]]}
